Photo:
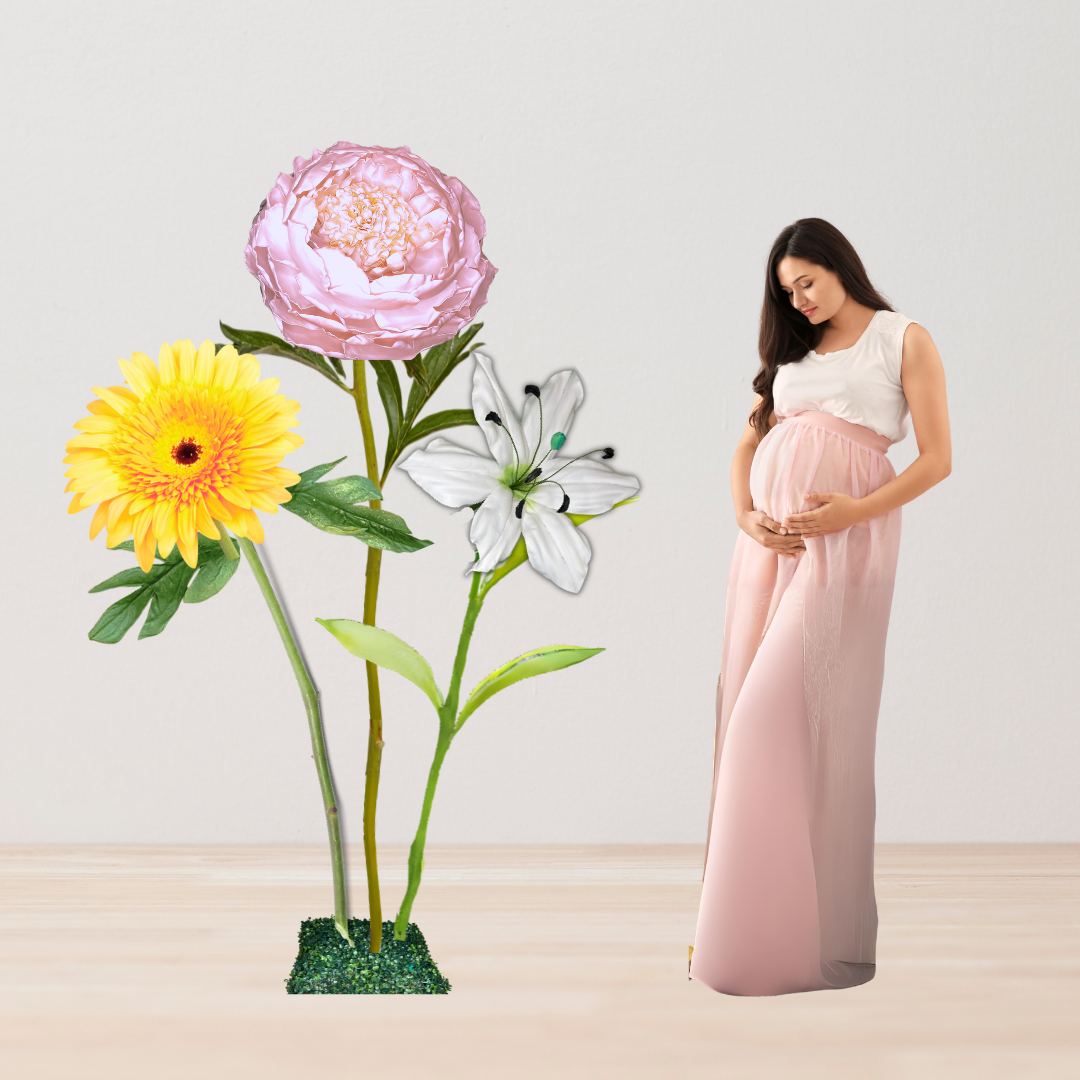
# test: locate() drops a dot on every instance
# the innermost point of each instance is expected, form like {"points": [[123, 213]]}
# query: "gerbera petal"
{"points": [[593, 486], [552, 411], [254, 527], [488, 397], [451, 474], [494, 529], [205, 523], [144, 549], [118, 398], [556, 548], [97, 523], [204, 364], [225, 368], [100, 408], [184, 352], [141, 374], [167, 364]]}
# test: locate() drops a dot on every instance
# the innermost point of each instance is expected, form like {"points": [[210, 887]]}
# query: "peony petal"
{"points": [[506, 441], [494, 529], [553, 411], [451, 474], [557, 549]]}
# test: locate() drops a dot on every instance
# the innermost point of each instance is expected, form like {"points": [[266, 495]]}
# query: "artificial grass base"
{"points": [[327, 964]]}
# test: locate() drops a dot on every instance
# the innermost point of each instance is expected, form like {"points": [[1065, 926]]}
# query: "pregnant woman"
{"points": [[788, 897]]}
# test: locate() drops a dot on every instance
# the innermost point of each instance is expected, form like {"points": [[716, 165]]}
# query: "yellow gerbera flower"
{"points": [[193, 439]]}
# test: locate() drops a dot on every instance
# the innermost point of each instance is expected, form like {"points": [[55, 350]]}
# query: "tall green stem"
{"points": [[318, 739], [375, 732], [447, 730]]}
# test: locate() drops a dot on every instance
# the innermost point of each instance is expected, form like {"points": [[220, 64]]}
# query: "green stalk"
{"points": [[318, 739], [375, 730], [447, 720]]}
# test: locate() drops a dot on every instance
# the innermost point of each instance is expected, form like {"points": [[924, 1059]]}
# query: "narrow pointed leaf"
{"points": [[386, 650], [537, 662], [437, 422], [120, 617], [256, 341], [169, 592], [135, 576], [347, 490], [390, 393], [317, 472]]}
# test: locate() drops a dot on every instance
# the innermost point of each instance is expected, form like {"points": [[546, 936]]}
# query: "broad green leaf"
{"points": [[537, 662], [317, 472], [168, 593], [164, 586], [382, 648], [332, 505], [347, 490], [214, 573], [437, 422], [255, 341]]}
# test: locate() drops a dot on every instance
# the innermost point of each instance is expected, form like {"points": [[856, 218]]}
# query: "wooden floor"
{"points": [[168, 963]]}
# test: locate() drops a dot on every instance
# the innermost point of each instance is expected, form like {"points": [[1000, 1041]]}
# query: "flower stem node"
{"points": [[523, 490]]}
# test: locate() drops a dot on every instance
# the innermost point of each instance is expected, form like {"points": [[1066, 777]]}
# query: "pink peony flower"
{"points": [[363, 252]]}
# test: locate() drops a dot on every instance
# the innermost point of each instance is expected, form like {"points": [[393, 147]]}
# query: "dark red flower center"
{"points": [[186, 452]]}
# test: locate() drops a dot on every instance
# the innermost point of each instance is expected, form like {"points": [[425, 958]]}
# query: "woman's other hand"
{"points": [[839, 512], [760, 527]]}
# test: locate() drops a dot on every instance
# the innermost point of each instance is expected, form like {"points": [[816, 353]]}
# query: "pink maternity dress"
{"points": [[788, 894]]}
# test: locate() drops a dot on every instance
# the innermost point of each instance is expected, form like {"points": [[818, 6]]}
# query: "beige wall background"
{"points": [[634, 162]]}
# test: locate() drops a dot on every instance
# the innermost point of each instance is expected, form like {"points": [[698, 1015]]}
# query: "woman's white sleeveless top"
{"points": [[860, 384]]}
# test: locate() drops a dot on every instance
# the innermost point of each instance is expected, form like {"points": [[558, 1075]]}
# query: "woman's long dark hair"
{"points": [[786, 335]]}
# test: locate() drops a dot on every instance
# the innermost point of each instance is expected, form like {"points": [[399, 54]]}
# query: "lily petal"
{"points": [[494, 530], [593, 486], [557, 549], [559, 398], [452, 474], [487, 397]]}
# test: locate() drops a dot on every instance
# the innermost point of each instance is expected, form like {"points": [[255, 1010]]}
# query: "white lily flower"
{"points": [[524, 488]]}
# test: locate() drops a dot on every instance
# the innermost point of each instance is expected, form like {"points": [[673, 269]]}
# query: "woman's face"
{"points": [[813, 290]]}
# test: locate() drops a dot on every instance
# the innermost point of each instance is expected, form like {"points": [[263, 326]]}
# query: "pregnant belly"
{"points": [[798, 457]]}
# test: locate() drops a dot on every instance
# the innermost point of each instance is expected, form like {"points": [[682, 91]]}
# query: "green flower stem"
{"points": [[225, 540], [447, 731], [318, 741], [375, 729]]}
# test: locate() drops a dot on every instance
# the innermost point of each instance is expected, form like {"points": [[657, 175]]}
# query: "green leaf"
{"points": [[428, 371], [255, 341], [120, 617], [386, 650], [537, 662], [390, 393], [437, 422], [129, 578], [214, 573], [168, 593], [164, 586], [332, 505]]}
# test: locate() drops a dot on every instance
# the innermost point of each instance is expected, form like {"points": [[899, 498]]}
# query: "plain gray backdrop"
{"points": [[634, 162]]}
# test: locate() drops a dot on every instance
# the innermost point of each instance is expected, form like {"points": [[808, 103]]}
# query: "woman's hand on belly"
{"points": [[760, 527], [838, 513]]}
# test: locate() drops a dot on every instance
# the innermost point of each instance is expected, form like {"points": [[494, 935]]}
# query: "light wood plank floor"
{"points": [[168, 963]]}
